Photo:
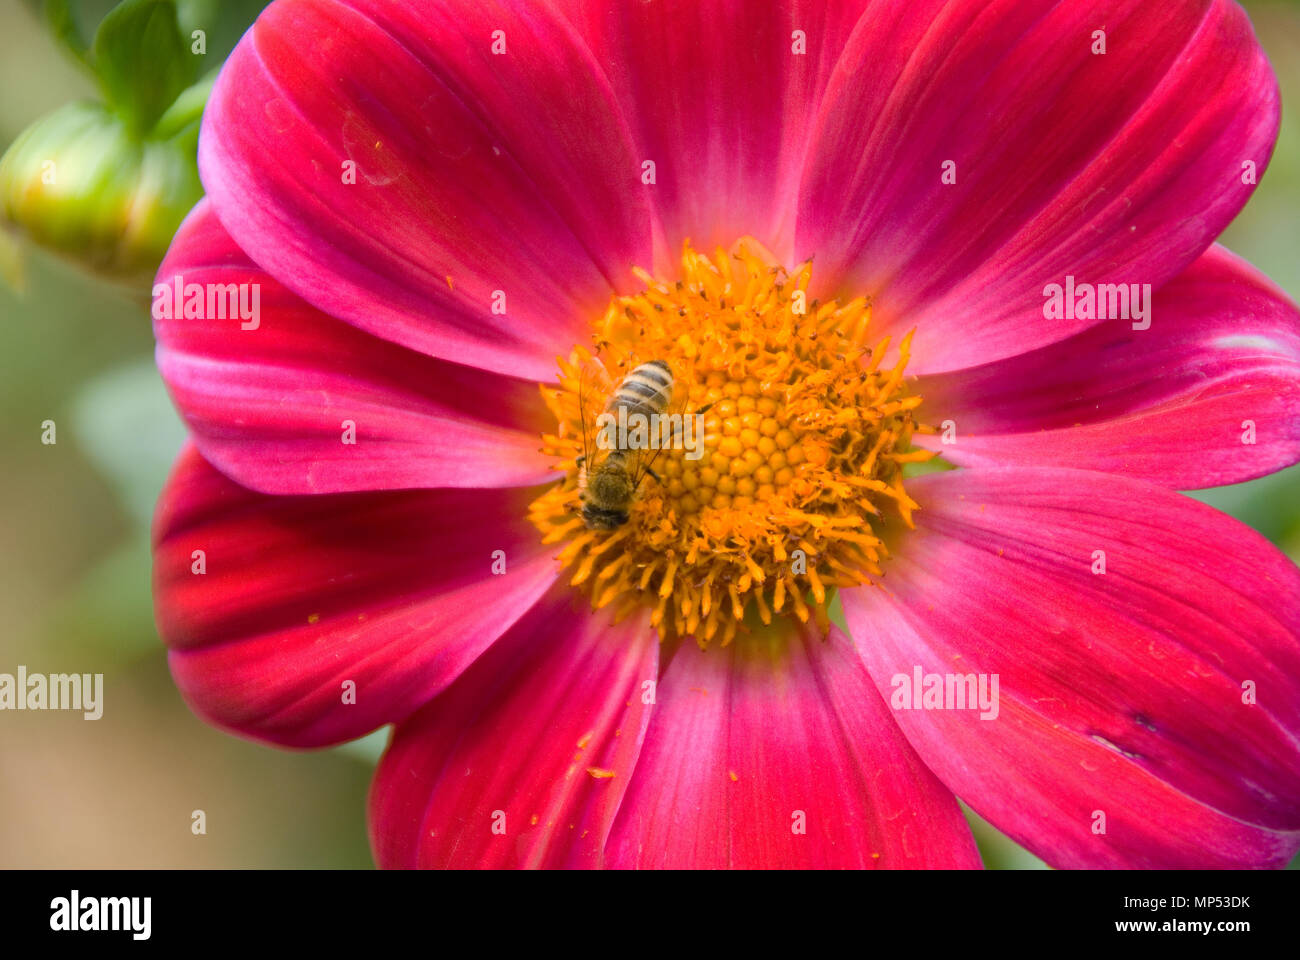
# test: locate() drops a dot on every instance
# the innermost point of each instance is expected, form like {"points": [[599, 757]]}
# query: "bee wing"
{"points": [[594, 387], [643, 461]]}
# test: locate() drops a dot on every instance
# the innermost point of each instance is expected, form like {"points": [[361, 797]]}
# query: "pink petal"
{"points": [[391, 592], [270, 406], [718, 99], [749, 743], [537, 739], [1170, 404], [475, 173], [1119, 167], [1120, 692]]}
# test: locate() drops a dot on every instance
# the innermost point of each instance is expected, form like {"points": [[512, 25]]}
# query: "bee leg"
{"points": [[704, 409], [655, 475]]}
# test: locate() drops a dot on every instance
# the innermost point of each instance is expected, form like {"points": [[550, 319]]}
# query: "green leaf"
{"points": [[222, 23], [142, 61], [185, 113], [68, 20], [64, 26]]}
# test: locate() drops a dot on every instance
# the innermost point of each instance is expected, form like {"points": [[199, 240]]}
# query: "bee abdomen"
{"points": [[647, 389]]}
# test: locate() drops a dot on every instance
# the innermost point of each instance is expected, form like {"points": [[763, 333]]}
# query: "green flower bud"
{"points": [[78, 182]]}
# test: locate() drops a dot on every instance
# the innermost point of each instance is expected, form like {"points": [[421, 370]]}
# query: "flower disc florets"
{"points": [[805, 435]]}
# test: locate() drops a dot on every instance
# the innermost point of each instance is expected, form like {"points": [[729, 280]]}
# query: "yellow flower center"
{"points": [[806, 431]]}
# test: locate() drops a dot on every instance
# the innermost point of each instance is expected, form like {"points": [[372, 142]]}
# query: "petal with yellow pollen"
{"points": [[524, 760], [780, 752]]}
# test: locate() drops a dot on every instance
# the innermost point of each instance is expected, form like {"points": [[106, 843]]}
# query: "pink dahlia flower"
{"points": [[380, 520]]}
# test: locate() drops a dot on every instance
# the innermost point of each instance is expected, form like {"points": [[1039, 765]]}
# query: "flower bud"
{"points": [[78, 183]]}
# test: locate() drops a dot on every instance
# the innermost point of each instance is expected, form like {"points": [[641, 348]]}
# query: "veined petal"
{"points": [[720, 96], [780, 754], [523, 761], [1114, 167], [1208, 395], [315, 619], [293, 401], [1147, 659], [384, 163]]}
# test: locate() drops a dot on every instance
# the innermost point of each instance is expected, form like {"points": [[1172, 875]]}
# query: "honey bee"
{"points": [[610, 472]]}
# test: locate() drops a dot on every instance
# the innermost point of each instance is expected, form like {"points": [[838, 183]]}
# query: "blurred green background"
{"points": [[74, 568]]}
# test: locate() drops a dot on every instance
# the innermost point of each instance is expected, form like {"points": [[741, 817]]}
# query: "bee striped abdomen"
{"points": [[609, 474], [647, 390]]}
